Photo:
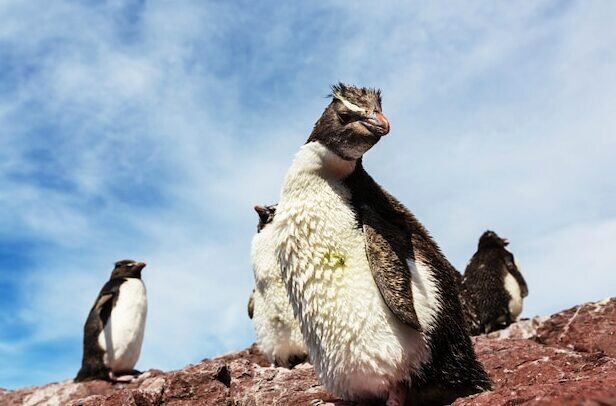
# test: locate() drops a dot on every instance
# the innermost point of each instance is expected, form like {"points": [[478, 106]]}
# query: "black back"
{"points": [[453, 370]]}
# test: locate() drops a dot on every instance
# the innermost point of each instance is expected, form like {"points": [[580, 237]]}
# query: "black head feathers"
{"points": [[266, 215], [361, 95], [490, 239], [127, 268]]}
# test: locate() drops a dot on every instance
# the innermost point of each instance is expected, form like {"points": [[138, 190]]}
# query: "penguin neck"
{"points": [[132, 275], [316, 158]]}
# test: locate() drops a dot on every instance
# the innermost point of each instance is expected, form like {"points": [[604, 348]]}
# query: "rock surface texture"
{"points": [[566, 359]]}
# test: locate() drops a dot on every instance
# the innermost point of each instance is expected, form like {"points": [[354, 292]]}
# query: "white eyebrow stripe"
{"points": [[348, 104]]}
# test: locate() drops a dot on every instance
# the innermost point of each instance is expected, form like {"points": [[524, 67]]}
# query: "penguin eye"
{"points": [[344, 117]]}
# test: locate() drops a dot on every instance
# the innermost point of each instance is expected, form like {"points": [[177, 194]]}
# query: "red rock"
{"points": [[590, 327], [566, 359], [523, 370]]}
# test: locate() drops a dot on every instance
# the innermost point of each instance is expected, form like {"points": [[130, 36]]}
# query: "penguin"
{"points": [[493, 285], [377, 301], [277, 330], [113, 331]]}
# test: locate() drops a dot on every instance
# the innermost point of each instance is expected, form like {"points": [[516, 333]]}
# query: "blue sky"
{"points": [[149, 130]]}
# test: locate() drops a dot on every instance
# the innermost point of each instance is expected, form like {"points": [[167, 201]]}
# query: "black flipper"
{"points": [[387, 249], [515, 272]]}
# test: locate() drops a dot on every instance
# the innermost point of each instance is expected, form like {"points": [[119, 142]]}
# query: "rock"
{"points": [[525, 328], [523, 370], [590, 327], [566, 359]]}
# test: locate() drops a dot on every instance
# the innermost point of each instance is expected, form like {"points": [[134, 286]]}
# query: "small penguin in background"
{"points": [[277, 330], [113, 332], [493, 286], [376, 300]]}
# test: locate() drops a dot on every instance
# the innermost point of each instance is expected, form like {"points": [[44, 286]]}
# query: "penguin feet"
{"points": [[397, 395], [124, 378]]}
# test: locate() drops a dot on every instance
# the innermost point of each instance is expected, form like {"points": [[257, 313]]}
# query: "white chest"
{"points": [[358, 347], [513, 288], [123, 334]]}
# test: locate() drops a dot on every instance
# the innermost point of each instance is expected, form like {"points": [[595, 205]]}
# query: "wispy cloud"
{"points": [[149, 130]]}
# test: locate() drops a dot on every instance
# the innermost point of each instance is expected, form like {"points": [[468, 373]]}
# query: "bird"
{"points": [[277, 330], [493, 285], [113, 331], [376, 299]]}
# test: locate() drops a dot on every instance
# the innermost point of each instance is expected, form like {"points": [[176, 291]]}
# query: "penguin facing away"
{"points": [[494, 285], [113, 331], [277, 330], [376, 299]]}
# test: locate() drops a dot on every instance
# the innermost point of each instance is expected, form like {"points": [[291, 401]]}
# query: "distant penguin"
{"points": [[376, 299], [493, 285], [277, 330], [113, 332]]}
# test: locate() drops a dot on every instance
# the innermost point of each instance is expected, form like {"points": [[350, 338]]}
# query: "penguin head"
{"points": [[490, 239], [127, 268], [352, 123], [266, 215]]}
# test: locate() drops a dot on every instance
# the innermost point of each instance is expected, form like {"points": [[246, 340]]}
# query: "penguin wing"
{"points": [[387, 249], [251, 304], [512, 268], [106, 299]]}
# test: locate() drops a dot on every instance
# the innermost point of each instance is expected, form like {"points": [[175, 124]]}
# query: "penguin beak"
{"points": [[377, 123], [140, 265]]}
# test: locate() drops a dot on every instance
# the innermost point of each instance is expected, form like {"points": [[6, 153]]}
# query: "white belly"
{"points": [[513, 288], [358, 347], [277, 330], [123, 335]]}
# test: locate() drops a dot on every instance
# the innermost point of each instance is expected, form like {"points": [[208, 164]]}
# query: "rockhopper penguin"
{"points": [[277, 330], [493, 285], [113, 332], [376, 299]]}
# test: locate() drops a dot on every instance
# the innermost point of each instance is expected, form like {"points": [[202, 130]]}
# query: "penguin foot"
{"points": [[121, 378], [397, 395]]}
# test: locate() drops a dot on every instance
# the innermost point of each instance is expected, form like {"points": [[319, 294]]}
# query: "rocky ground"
{"points": [[566, 359]]}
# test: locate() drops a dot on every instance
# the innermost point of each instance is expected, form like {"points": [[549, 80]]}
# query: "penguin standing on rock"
{"points": [[113, 332], [376, 299], [277, 330], [493, 285]]}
